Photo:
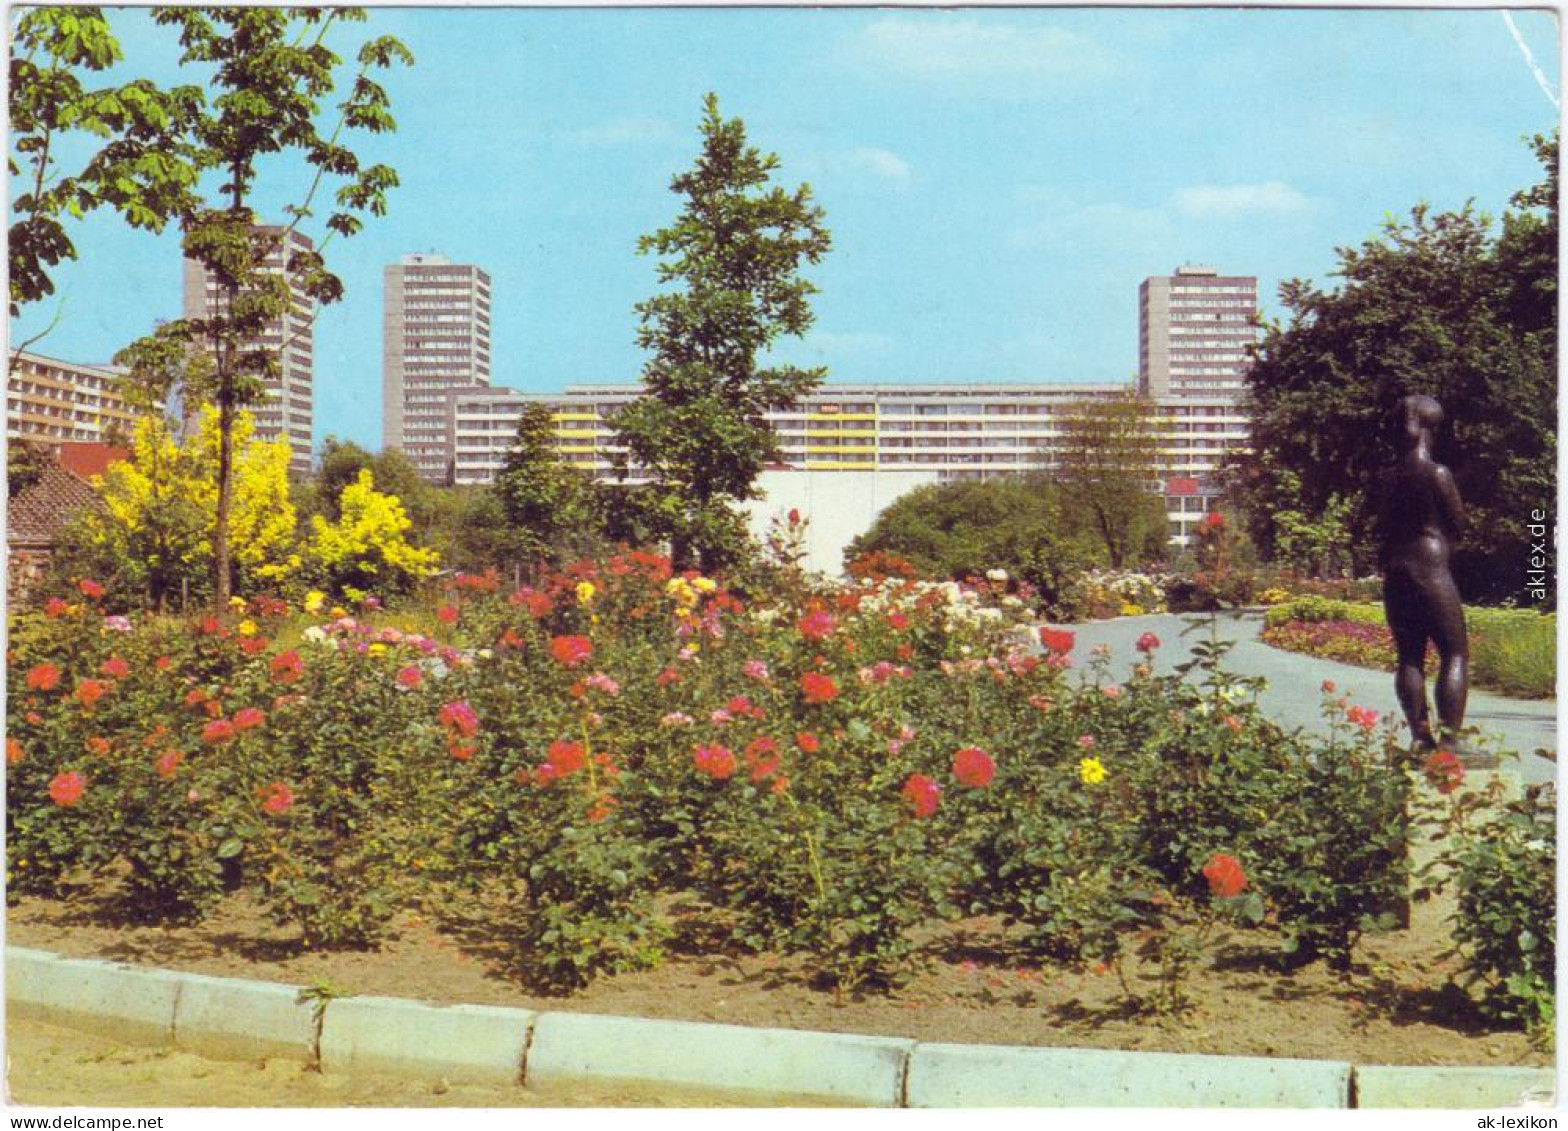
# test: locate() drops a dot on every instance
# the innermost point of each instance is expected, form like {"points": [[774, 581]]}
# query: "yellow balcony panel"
{"points": [[583, 464], [574, 416], [841, 416], [844, 449], [576, 433], [840, 465], [576, 449]]}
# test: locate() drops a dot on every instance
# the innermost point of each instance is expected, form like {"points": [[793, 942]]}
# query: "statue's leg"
{"points": [[1407, 625], [1453, 648]]}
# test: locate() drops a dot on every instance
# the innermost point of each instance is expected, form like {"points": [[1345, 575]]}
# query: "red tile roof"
{"points": [[89, 459], [41, 511]]}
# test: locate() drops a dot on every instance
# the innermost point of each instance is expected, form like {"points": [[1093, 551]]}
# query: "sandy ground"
{"points": [[50, 1066]]}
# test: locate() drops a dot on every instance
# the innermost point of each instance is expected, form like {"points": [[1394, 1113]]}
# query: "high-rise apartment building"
{"points": [[1194, 328], [53, 402], [435, 342], [288, 410]]}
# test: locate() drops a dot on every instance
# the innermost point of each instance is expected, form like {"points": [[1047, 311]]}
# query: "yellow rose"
{"points": [[246, 628], [585, 592], [1091, 770], [314, 600]]}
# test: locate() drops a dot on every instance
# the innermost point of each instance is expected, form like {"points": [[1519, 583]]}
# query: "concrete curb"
{"points": [[839, 1067], [239, 1019], [1004, 1076], [1403, 1086], [470, 1044]]}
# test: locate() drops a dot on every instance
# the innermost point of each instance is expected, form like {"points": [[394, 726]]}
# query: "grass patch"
{"points": [[1512, 651]]}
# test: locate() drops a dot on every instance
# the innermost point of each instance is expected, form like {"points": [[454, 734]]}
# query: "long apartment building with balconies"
{"points": [[51, 401], [958, 431]]}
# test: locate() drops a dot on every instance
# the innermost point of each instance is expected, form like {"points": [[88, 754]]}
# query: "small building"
{"points": [[37, 515]]}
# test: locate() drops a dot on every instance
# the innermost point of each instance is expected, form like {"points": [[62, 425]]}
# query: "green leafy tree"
{"points": [[734, 254], [550, 508], [1438, 305], [271, 74], [1106, 466], [25, 464], [969, 527], [54, 53]]}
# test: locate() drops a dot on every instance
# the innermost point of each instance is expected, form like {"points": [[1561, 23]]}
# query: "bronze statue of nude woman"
{"points": [[1421, 520]]}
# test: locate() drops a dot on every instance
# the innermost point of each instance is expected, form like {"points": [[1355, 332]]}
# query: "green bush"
{"points": [[1501, 858]]}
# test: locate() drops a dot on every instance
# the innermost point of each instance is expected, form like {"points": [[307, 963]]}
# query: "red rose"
{"points": [[249, 718], [66, 789], [567, 757], [459, 717], [817, 624], [571, 650], [462, 751], [115, 668], [1147, 643], [167, 763], [447, 614], [1057, 640], [96, 744], [44, 677], [923, 794], [276, 799], [89, 691], [973, 767], [808, 742], [897, 621], [55, 607], [1225, 876], [409, 677], [715, 761], [1445, 771], [217, 731], [13, 751], [90, 589], [287, 667], [818, 688]]}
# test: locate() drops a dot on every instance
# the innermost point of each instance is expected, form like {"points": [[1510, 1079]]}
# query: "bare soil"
{"points": [[1398, 1006]]}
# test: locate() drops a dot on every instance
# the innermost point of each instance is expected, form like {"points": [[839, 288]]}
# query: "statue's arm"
{"points": [[1448, 499]]}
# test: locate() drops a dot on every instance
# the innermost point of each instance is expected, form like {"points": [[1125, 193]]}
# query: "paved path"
{"points": [[1294, 695]]}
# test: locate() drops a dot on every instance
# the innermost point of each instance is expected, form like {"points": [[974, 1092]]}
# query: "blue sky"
{"points": [[997, 181]]}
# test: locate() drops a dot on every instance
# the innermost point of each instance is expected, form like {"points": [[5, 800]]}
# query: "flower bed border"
{"points": [[230, 1017]]}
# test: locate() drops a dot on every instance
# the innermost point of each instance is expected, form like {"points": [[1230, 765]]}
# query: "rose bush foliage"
{"points": [[565, 765]]}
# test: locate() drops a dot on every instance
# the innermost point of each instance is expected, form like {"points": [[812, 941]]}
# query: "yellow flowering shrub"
{"points": [[367, 549], [161, 505]]}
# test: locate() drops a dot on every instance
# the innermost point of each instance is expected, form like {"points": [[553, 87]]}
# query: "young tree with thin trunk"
{"points": [[734, 255], [272, 74]]}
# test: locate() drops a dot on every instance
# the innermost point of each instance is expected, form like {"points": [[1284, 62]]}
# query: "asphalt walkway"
{"points": [[1294, 696]]}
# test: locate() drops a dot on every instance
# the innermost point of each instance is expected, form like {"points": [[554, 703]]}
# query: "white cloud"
{"points": [[624, 131], [1271, 197], [882, 162], [941, 45]]}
